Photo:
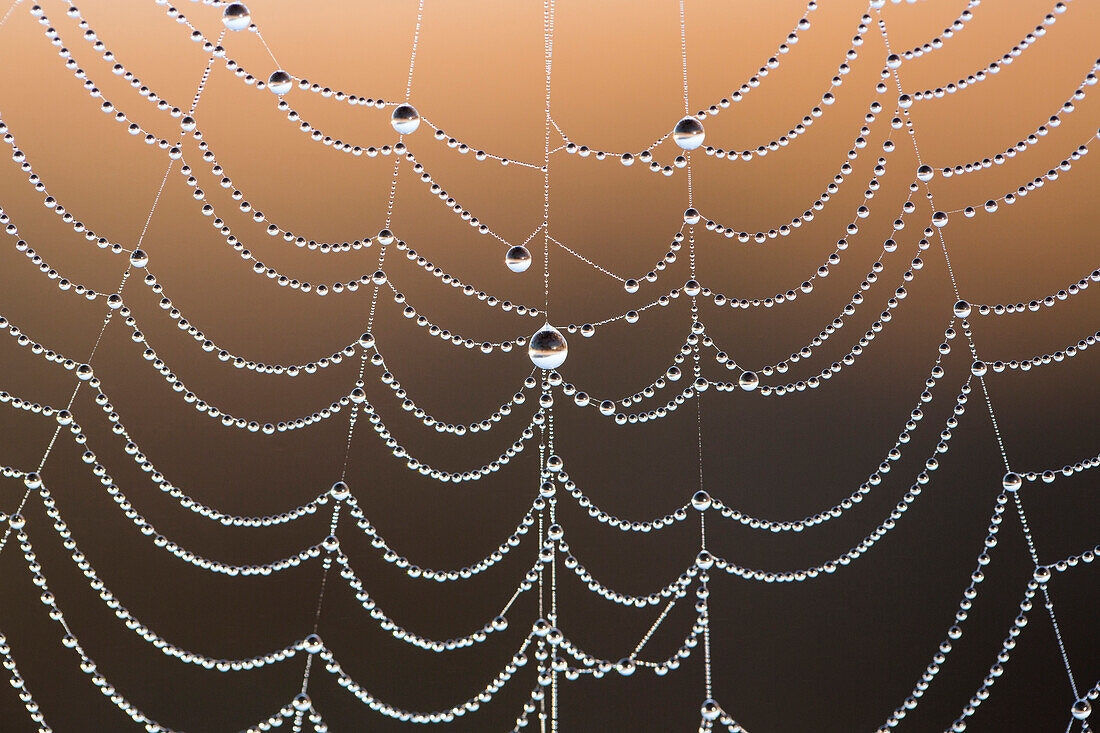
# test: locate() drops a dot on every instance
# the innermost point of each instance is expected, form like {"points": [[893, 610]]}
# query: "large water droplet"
{"points": [[748, 381], [236, 16], [547, 348], [280, 82], [405, 119], [518, 258], [688, 133]]}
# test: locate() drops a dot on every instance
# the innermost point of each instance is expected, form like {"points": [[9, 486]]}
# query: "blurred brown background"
{"points": [[834, 655]]}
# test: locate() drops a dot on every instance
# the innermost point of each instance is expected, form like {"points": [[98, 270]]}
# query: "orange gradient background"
{"points": [[833, 655]]}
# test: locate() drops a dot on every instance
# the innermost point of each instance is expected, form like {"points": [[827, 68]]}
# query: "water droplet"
{"points": [[236, 16], [962, 309], [710, 710], [138, 258], [688, 133], [405, 119], [1012, 481], [280, 82], [518, 258], [749, 381], [925, 173], [548, 348]]}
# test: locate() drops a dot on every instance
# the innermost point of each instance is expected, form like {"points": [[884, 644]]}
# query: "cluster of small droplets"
{"points": [[468, 290], [992, 205], [259, 217], [425, 469], [132, 449], [626, 525], [450, 202], [666, 380], [831, 566], [1043, 572], [1031, 140], [827, 99], [486, 347], [469, 343], [749, 380], [955, 632], [849, 309], [1057, 357], [518, 660], [63, 283], [270, 428], [237, 18], [65, 419], [310, 644], [803, 24], [702, 499], [993, 67], [19, 403], [807, 286], [230, 421], [392, 556], [938, 42], [70, 641], [271, 273], [626, 666], [1068, 470], [1038, 304], [499, 623], [34, 711], [123, 614], [692, 216], [625, 599], [753, 82], [189, 125], [83, 371], [479, 155], [49, 201], [529, 707], [240, 362], [997, 669], [116, 302], [427, 420]]}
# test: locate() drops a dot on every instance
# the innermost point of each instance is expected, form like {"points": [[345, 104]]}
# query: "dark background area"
{"points": [[833, 655]]}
